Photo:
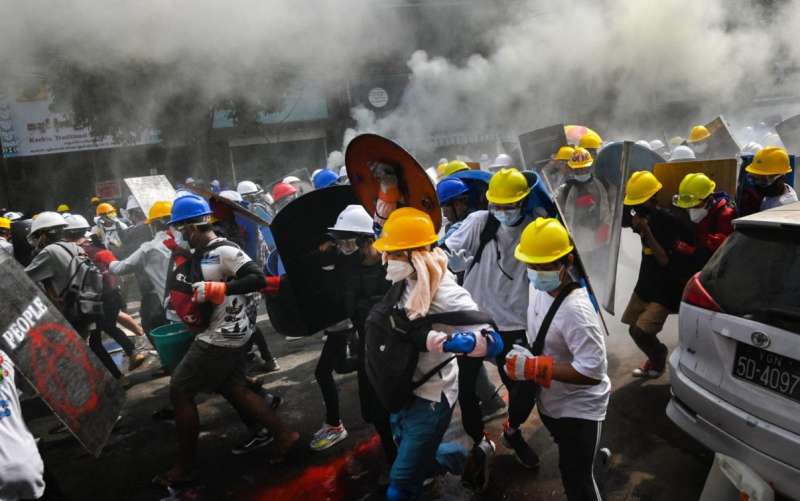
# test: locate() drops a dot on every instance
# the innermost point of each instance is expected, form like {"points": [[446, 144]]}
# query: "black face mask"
{"points": [[773, 190], [641, 210]]}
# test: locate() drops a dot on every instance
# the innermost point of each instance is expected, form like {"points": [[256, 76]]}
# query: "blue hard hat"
{"points": [[325, 178], [188, 207], [450, 188]]}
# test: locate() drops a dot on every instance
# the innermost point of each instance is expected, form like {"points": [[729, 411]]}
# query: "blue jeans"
{"points": [[418, 430]]}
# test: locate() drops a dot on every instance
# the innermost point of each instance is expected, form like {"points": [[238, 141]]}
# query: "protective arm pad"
{"points": [[248, 279]]}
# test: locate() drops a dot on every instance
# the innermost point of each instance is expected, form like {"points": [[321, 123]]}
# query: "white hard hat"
{"points": [[189, 180], [76, 222], [47, 220], [502, 160], [643, 143], [132, 203], [291, 179], [268, 198], [247, 188], [231, 195], [343, 171], [354, 219], [682, 153], [751, 148], [13, 216], [656, 144]]}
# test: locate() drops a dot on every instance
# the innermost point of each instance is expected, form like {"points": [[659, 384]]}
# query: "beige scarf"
{"points": [[430, 268]]}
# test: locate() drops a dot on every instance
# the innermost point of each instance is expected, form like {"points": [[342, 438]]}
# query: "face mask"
{"points": [[698, 214], [397, 270], [508, 217], [180, 241], [347, 246], [582, 178], [641, 210], [545, 281]]}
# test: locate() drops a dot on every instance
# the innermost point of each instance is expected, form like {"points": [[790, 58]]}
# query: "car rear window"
{"points": [[756, 275]]}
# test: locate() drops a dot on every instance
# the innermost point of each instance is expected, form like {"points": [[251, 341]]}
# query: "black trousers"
{"points": [[578, 441], [112, 305], [261, 343], [333, 357]]}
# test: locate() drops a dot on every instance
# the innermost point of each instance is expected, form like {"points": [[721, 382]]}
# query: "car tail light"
{"points": [[695, 294]]}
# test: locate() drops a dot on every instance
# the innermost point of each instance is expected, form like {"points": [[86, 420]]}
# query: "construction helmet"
{"points": [[62, 208], [407, 228], [440, 168], [188, 207], [282, 190], [656, 144], [564, 153], [543, 241], [104, 208], [47, 221], [248, 188], [76, 222], [698, 133], [5, 223], [507, 186], [95, 200], [693, 190], [291, 179], [641, 187], [643, 143], [682, 153], [502, 160], [158, 210], [676, 140], [325, 178], [751, 148], [450, 188], [231, 195], [580, 159], [455, 166], [353, 219], [591, 140], [13, 216], [770, 161]]}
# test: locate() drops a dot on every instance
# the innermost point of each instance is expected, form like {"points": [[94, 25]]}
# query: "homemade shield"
{"points": [[235, 207], [789, 132], [721, 144], [415, 186], [722, 172], [148, 190], [299, 229], [538, 147], [748, 199], [50, 355]]}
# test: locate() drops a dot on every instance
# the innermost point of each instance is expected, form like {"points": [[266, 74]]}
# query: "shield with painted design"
{"points": [[416, 189]]}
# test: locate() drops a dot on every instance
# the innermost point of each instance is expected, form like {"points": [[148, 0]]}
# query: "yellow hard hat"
{"points": [[440, 170], [95, 200], [564, 153], [454, 166], [641, 187], [581, 159], [5, 223], [507, 186], [543, 241], [62, 208], [591, 140], [694, 188], [159, 209], [105, 208], [770, 161], [406, 228], [698, 133]]}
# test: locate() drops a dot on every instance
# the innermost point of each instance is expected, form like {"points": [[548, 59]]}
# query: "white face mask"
{"points": [[397, 270], [698, 214], [508, 217], [582, 178], [180, 241]]}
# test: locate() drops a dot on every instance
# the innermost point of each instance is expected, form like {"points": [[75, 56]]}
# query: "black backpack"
{"points": [[83, 294], [393, 343]]}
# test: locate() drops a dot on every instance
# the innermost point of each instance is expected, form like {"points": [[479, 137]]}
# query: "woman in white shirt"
{"points": [[569, 363]]}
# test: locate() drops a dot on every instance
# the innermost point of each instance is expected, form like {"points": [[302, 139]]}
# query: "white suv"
{"points": [[736, 373]]}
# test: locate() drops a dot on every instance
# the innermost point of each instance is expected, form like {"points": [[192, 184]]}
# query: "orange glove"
{"points": [[522, 365], [212, 292], [273, 285], [105, 257]]}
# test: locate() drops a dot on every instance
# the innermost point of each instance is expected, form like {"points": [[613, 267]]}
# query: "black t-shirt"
{"points": [[664, 284]]}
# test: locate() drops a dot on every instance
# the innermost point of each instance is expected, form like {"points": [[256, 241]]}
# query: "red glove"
{"points": [[170, 244], [521, 365], [715, 240], [682, 247], [273, 285], [105, 257], [212, 292]]}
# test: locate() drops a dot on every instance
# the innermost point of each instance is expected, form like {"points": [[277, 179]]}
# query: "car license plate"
{"points": [[769, 370]]}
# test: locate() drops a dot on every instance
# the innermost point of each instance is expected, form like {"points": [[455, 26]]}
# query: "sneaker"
{"points": [[271, 365], [493, 409], [648, 370], [478, 466], [255, 442], [273, 400], [522, 451], [327, 437]]}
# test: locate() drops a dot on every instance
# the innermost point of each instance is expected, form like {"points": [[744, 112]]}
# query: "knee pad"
{"points": [[395, 493]]}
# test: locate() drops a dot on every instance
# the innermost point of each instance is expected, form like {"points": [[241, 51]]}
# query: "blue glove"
{"points": [[460, 342], [495, 344]]}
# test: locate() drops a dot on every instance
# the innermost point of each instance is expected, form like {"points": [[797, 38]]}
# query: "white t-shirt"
{"points": [[575, 337], [21, 467], [229, 326], [504, 298], [789, 196]]}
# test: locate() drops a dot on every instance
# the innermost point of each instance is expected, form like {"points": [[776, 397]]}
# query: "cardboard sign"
{"points": [[540, 145], [108, 190], [415, 186], [722, 172], [721, 144], [299, 229], [236, 208], [789, 132], [53, 358], [148, 190]]}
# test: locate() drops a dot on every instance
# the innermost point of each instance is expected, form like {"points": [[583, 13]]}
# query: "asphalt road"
{"points": [[651, 458]]}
